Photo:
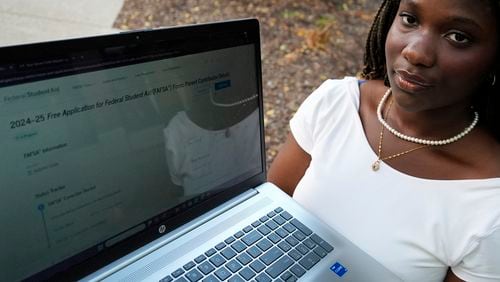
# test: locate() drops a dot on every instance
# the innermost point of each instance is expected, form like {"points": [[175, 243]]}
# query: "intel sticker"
{"points": [[339, 269]]}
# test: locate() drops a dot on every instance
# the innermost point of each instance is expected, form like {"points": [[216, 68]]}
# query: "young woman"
{"points": [[407, 162]]}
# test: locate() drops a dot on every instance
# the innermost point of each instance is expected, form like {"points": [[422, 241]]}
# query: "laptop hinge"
{"points": [[170, 237]]}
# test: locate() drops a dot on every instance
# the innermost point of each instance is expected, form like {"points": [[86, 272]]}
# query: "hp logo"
{"points": [[162, 229]]}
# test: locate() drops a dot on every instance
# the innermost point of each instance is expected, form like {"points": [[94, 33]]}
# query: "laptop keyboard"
{"points": [[277, 247]]}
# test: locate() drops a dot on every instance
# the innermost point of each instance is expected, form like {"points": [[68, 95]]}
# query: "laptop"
{"points": [[140, 156]]}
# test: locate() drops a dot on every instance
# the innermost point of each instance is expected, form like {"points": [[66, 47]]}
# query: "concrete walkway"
{"points": [[25, 21]]}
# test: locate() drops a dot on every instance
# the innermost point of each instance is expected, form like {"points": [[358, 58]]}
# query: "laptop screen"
{"points": [[109, 142]]}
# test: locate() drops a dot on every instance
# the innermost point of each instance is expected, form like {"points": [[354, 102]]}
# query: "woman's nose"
{"points": [[420, 50]]}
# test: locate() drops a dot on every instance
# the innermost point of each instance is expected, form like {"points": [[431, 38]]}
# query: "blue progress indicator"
{"points": [[222, 84]]}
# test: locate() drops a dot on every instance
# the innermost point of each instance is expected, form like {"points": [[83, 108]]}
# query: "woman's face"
{"points": [[440, 52]]}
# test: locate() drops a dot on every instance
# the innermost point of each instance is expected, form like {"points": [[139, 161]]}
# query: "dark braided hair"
{"points": [[374, 58], [487, 99]]}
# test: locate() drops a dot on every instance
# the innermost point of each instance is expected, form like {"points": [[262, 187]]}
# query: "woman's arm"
{"points": [[289, 166]]}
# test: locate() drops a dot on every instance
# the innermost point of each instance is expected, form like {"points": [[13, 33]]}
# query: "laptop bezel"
{"points": [[79, 266]]}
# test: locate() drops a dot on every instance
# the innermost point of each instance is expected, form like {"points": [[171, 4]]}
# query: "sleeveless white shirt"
{"points": [[416, 227]]}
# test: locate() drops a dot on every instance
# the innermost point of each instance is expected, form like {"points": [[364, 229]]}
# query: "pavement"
{"points": [[26, 21]]}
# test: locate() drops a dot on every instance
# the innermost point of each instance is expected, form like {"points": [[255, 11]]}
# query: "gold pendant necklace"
{"points": [[376, 164]]}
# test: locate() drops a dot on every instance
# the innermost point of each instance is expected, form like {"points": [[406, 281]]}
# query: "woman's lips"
{"points": [[411, 82]]}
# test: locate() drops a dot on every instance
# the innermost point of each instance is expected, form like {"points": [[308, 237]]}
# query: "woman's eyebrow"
{"points": [[409, 4], [463, 20], [457, 19]]}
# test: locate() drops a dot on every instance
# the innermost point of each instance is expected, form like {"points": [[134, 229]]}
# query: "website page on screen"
{"points": [[88, 156]]}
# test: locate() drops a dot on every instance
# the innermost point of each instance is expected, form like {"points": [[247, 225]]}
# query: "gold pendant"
{"points": [[376, 165]]}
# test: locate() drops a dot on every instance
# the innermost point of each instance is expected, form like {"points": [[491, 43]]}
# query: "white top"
{"points": [[201, 160], [416, 227]]}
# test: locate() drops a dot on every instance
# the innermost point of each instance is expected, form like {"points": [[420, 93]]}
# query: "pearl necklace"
{"points": [[419, 140], [380, 159], [228, 105], [227, 132]]}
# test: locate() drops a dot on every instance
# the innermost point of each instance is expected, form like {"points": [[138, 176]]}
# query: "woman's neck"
{"points": [[434, 124]]}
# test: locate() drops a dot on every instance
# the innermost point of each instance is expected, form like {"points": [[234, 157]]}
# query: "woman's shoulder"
{"points": [[332, 91], [345, 84], [483, 159]]}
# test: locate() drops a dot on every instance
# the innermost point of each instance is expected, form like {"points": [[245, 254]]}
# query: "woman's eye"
{"points": [[458, 38], [408, 20]]}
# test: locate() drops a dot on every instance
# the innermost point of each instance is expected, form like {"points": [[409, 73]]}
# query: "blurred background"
{"points": [[303, 42]]}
